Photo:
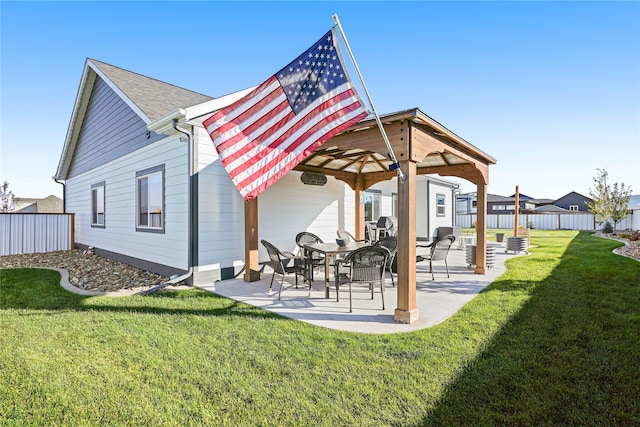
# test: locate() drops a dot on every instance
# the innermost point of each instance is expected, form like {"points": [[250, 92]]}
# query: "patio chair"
{"points": [[280, 262], [370, 232], [364, 265], [390, 243], [347, 237], [439, 252], [314, 259]]}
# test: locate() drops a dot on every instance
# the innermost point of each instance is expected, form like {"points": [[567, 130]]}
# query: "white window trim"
{"points": [[139, 176], [376, 209]]}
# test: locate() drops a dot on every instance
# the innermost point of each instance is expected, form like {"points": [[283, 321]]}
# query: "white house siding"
{"points": [[289, 207], [220, 214], [434, 221], [119, 234], [426, 190], [285, 209]]}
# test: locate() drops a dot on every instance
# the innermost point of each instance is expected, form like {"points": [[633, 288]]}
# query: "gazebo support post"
{"points": [[407, 311], [481, 228], [251, 263]]}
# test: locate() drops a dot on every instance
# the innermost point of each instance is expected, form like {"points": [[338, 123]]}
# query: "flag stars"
{"points": [[313, 74]]}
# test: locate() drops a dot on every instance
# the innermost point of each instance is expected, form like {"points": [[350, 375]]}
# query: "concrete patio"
{"points": [[436, 299]]}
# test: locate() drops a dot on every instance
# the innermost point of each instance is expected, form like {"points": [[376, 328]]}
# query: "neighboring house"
{"points": [[50, 204], [496, 204], [147, 187], [466, 203], [500, 204], [573, 202]]}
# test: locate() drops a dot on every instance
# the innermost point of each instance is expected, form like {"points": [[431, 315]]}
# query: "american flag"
{"points": [[269, 131]]}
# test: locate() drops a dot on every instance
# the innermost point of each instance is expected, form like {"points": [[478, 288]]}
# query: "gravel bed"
{"points": [[89, 272], [631, 248]]}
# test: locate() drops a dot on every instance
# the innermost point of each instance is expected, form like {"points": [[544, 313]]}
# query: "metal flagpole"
{"points": [[395, 165]]}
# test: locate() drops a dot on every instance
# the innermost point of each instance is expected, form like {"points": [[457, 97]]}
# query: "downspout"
{"points": [[190, 217], [64, 194], [190, 196], [455, 190]]}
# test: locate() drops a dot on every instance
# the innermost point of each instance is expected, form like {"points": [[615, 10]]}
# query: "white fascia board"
{"points": [[121, 94], [440, 181], [79, 108], [196, 114], [164, 124]]}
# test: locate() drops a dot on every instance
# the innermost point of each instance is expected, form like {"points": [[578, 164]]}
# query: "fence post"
{"points": [[73, 231]]}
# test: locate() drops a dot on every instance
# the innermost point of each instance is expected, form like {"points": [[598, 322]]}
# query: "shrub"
{"points": [[635, 236], [607, 227]]}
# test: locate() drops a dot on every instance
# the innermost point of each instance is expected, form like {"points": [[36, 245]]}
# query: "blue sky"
{"points": [[549, 89]]}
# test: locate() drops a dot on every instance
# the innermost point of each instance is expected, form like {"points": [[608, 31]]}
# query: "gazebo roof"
{"points": [[412, 134]]}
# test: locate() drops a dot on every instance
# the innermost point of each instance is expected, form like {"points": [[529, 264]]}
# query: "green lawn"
{"points": [[554, 341]]}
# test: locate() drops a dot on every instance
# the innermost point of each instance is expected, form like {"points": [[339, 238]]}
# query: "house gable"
{"points": [[111, 106], [573, 199], [110, 129]]}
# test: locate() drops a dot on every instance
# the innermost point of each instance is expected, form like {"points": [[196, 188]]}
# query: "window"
{"points": [[150, 199], [574, 208], [372, 205], [498, 207], [97, 205], [440, 205]]}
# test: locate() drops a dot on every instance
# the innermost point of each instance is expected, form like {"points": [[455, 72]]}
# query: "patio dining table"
{"points": [[329, 250]]}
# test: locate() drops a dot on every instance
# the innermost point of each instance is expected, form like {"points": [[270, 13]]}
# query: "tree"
{"points": [[609, 202], [619, 198], [6, 199]]}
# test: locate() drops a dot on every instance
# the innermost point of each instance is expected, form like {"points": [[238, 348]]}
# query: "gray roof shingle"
{"points": [[154, 97]]}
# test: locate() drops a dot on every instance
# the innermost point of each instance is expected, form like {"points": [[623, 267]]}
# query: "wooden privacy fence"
{"points": [[35, 233], [543, 221]]}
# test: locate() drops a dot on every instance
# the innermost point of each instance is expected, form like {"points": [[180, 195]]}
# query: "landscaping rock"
{"points": [[630, 249], [89, 272]]}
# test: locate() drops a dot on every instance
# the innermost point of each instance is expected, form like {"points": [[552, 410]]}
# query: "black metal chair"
{"points": [[280, 262], [314, 259], [364, 265], [371, 233], [347, 237], [390, 243], [439, 252]]}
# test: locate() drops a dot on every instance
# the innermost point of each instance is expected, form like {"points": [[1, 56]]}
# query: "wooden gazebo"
{"points": [[358, 156]]}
